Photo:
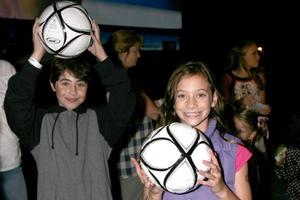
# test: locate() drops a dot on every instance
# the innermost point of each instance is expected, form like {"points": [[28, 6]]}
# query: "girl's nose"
{"points": [[191, 102]]}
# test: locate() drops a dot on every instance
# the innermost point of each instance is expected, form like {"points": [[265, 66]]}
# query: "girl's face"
{"points": [[70, 91], [243, 130], [194, 101], [130, 58], [251, 56]]}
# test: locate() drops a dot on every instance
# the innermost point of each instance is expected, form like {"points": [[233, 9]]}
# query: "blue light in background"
{"points": [[151, 41], [162, 4]]}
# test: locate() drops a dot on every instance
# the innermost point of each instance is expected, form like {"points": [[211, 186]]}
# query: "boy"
{"points": [[70, 143]]}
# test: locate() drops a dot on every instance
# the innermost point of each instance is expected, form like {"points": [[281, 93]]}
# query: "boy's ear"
{"points": [[214, 100], [52, 86]]}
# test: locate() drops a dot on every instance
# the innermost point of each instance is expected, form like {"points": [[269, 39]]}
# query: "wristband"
{"points": [[35, 63]]}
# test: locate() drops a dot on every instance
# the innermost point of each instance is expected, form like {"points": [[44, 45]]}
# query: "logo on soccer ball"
{"points": [[53, 40]]}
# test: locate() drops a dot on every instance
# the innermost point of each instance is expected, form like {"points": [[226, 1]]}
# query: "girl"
{"points": [[250, 128], [243, 82], [193, 98]]}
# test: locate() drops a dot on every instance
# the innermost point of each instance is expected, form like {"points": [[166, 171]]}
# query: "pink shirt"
{"points": [[242, 157]]}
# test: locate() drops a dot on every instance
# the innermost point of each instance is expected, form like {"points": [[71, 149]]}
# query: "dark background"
{"points": [[209, 30]]}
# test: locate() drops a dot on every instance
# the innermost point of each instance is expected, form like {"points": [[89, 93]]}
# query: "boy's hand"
{"points": [[96, 48], [38, 48]]}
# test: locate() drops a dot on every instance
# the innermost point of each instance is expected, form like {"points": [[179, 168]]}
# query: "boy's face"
{"points": [[70, 91]]}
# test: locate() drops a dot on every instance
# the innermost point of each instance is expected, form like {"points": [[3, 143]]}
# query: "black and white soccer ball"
{"points": [[65, 28], [172, 155]]}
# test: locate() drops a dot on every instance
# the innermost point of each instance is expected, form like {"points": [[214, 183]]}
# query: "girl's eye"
{"points": [[201, 95], [180, 96]]}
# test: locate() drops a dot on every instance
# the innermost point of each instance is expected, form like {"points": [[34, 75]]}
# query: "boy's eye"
{"points": [[81, 84], [64, 83]]}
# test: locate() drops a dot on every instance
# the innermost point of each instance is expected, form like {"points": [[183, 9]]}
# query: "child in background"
{"points": [[243, 80], [193, 98], [287, 159], [250, 128]]}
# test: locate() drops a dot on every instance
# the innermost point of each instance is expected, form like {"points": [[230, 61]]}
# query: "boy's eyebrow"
{"points": [[66, 79]]}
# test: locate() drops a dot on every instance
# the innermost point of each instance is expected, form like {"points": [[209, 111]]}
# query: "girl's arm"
{"points": [[261, 107], [242, 185]]}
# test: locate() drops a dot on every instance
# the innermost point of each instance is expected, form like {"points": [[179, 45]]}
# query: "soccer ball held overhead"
{"points": [[65, 29]]}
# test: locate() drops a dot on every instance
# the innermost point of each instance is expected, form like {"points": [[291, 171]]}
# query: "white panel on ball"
{"points": [[65, 28], [172, 155]]}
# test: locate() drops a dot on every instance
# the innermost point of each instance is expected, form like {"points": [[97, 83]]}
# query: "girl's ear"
{"points": [[214, 100], [52, 86]]}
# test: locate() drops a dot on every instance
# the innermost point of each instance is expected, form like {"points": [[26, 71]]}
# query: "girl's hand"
{"points": [[214, 176], [152, 191], [96, 47]]}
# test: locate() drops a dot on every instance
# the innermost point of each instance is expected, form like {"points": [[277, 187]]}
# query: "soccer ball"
{"points": [[65, 29], [172, 155]]}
